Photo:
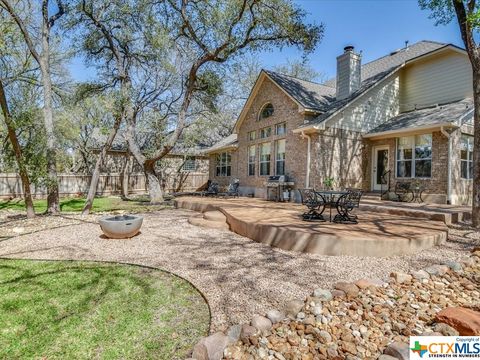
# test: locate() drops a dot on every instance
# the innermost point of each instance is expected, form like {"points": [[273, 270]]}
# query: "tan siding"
{"points": [[437, 80], [374, 108]]}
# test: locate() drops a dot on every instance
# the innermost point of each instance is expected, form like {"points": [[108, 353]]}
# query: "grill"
{"points": [[281, 185]]}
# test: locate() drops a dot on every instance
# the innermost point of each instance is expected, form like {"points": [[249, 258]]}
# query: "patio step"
{"points": [[210, 220]]}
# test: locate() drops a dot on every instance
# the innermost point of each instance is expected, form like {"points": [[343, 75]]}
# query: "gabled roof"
{"points": [[230, 142], [310, 95], [394, 59], [454, 114]]}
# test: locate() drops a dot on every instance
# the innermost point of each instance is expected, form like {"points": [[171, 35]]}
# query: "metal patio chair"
{"points": [[345, 206], [315, 204]]}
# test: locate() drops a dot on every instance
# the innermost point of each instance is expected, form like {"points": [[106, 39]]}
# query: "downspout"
{"points": [[309, 145], [449, 165]]}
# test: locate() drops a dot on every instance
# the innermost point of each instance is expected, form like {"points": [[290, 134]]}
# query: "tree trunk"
{"points": [[153, 183], [18, 154], [53, 198], [96, 171], [125, 177], [476, 151]]}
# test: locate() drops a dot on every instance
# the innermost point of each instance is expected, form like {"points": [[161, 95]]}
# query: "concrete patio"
{"points": [[383, 230]]}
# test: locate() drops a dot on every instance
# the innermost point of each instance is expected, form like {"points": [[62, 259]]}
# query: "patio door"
{"points": [[380, 165]]}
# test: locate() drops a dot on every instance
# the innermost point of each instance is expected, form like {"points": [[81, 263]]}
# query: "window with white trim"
{"points": [[466, 156], [190, 164], [281, 129], [414, 156], [252, 135], [265, 132], [266, 111], [280, 157], [265, 150], [224, 164], [251, 160]]}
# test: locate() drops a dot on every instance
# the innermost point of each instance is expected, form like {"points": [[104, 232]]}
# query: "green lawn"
{"points": [[84, 310], [100, 204]]}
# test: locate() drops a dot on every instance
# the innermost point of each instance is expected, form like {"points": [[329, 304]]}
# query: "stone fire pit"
{"points": [[121, 226]]}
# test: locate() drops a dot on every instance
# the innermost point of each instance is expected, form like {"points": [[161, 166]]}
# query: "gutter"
{"points": [[309, 146], [408, 130], [449, 164]]}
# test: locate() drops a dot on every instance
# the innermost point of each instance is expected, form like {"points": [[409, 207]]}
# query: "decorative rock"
{"points": [[275, 316], [324, 336], [453, 265], [401, 278], [465, 321], [398, 350], [387, 357], [211, 347], [365, 283], [233, 333], [348, 288], [338, 294], [261, 323], [323, 294], [246, 332], [437, 270], [445, 329], [293, 308], [420, 274]]}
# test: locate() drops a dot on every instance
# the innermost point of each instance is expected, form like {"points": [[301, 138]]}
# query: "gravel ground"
{"points": [[238, 277]]}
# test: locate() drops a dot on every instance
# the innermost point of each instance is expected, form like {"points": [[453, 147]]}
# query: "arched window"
{"points": [[267, 111]]}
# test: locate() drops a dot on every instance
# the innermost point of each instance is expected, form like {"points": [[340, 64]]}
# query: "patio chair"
{"points": [[232, 190], [345, 205], [315, 203], [404, 192], [212, 190]]}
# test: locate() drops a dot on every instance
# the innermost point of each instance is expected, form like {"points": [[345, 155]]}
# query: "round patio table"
{"points": [[331, 197]]}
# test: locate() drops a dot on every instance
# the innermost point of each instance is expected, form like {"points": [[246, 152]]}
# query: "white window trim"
{"points": [[254, 161], [219, 164], [260, 162], [468, 160], [283, 124], [187, 161], [276, 153], [413, 160], [259, 116], [265, 128]]}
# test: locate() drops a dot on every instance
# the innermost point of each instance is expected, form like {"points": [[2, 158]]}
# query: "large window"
{"points": [[267, 111], [414, 156], [281, 129], [251, 160], [252, 135], [224, 164], [280, 157], [466, 155], [265, 149], [265, 132]]}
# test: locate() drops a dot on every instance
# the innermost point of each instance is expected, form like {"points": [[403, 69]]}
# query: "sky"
{"points": [[375, 27]]}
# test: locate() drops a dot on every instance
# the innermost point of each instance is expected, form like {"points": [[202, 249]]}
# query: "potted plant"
{"points": [[328, 182]]}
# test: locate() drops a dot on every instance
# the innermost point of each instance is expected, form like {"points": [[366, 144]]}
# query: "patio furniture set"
{"points": [[345, 202]]}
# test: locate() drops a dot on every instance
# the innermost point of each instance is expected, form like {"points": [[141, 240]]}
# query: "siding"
{"points": [[370, 110], [437, 80]]}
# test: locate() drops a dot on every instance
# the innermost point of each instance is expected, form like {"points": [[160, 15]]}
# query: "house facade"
{"points": [[407, 116]]}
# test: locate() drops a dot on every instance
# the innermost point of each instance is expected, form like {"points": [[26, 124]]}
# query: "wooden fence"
{"points": [[109, 184]]}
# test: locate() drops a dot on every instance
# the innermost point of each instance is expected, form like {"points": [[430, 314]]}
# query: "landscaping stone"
{"points": [[398, 350], [365, 283], [293, 308], [420, 275], [350, 289], [445, 329], [338, 294], [322, 294], [211, 347], [275, 316], [233, 333], [437, 270], [401, 278], [453, 265], [261, 323], [465, 321], [246, 332]]}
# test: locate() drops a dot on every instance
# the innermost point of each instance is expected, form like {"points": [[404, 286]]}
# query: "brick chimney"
{"points": [[348, 72]]}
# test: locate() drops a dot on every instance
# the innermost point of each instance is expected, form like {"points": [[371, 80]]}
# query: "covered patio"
{"points": [[384, 228]]}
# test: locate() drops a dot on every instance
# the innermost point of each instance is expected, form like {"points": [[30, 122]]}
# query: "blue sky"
{"points": [[376, 27]]}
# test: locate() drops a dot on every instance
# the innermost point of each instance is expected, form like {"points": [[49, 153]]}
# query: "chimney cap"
{"points": [[348, 48]]}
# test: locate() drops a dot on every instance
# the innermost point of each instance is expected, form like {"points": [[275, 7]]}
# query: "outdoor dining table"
{"points": [[331, 197]]}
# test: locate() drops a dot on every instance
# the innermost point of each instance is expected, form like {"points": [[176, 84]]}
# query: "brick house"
{"points": [[407, 116]]}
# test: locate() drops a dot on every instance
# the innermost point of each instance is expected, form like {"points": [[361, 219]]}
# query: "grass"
{"points": [[84, 310], [100, 204]]}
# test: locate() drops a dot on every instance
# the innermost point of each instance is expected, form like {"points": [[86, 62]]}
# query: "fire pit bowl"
{"points": [[120, 226]]}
